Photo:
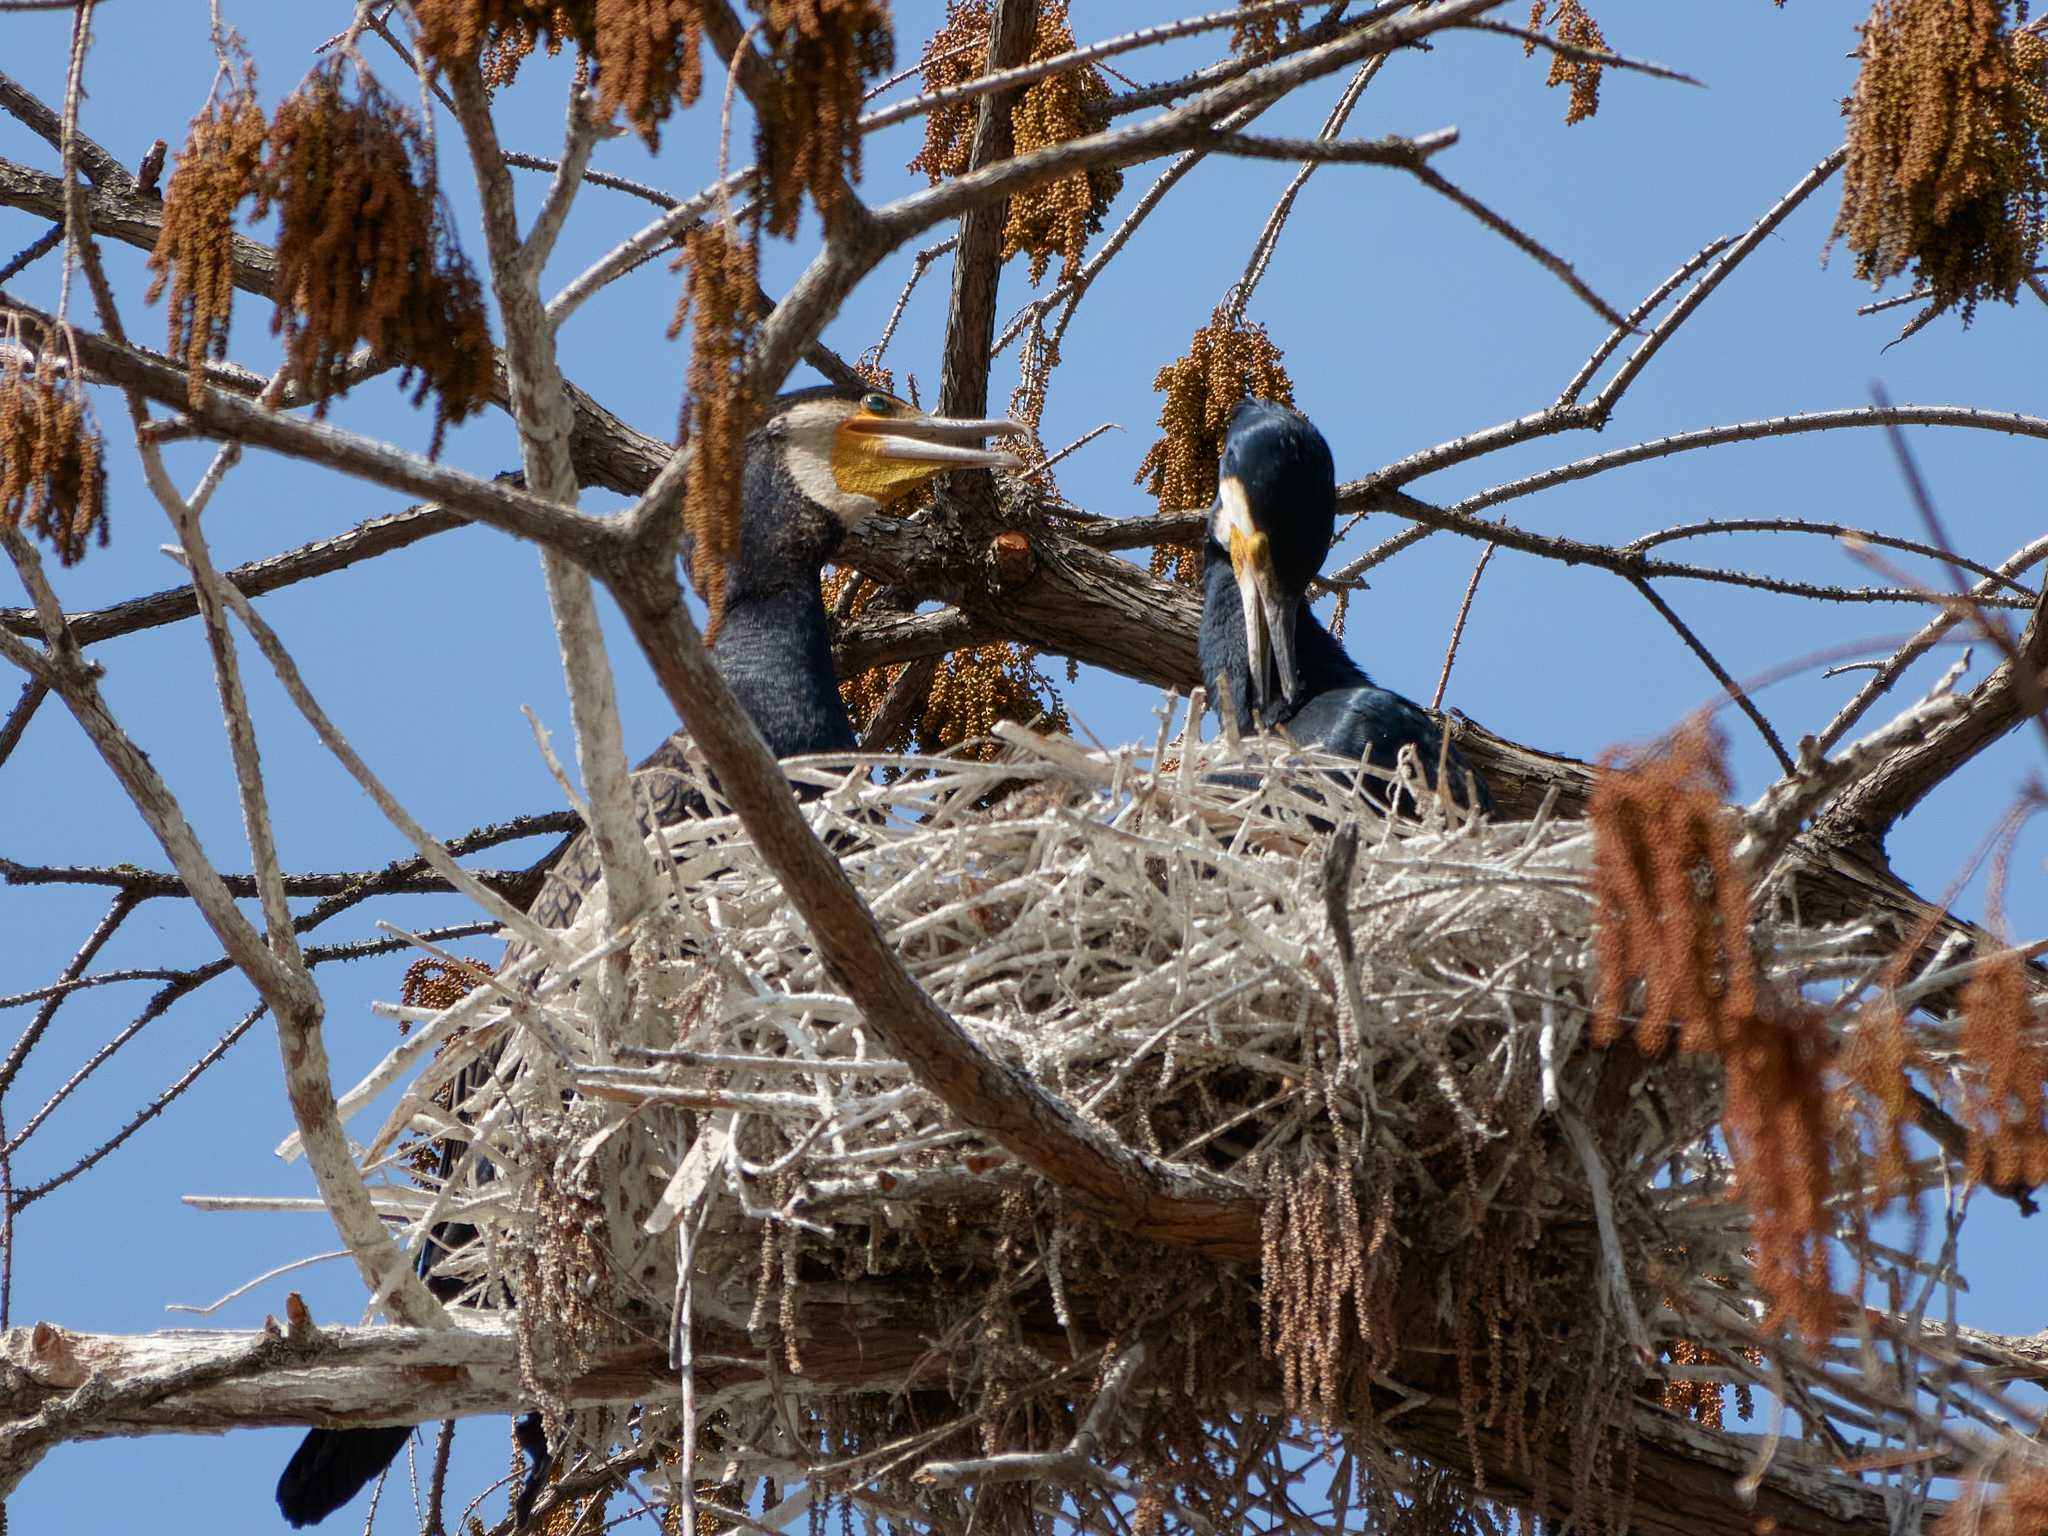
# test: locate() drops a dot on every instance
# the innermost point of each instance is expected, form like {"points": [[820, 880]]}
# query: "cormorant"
{"points": [[1274, 519], [823, 460]]}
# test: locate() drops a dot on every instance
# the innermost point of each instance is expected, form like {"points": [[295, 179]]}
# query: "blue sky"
{"points": [[1403, 324]]}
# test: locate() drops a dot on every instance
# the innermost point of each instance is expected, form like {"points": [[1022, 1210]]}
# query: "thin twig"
{"points": [[1734, 689], [1436, 700]]}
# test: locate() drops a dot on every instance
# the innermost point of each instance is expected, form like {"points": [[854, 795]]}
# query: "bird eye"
{"points": [[878, 405]]}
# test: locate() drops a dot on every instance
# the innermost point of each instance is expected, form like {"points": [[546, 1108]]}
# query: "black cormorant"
{"points": [[1273, 522], [825, 459]]}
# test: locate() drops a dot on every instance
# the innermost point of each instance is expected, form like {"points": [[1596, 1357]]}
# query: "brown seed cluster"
{"points": [[1263, 34], [957, 53], [1055, 219], [561, 1262], [1327, 1287], [646, 53], [2003, 1106], [1227, 360], [365, 252], [970, 692], [809, 140], [1672, 933], [432, 983], [53, 476], [1058, 217], [220, 164], [975, 688], [721, 298], [1948, 150], [1572, 26], [1703, 1401]]}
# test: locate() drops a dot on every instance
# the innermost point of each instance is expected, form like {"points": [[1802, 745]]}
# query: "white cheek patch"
{"points": [[1231, 523]]}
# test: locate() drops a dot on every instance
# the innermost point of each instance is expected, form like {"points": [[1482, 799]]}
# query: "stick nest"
{"points": [[1477, 1226]]}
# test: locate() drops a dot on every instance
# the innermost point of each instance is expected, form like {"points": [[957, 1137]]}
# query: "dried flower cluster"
{"points": [[562, 1261], [1573, 27], [721, 299], [809, 139], [1948, 150], [1227, 360], [222, 160], [435, 983], [975, 688], [957, 53], [1263, 34], [646, 53], [2003, 1107], [2021, 1510], [364, 248], [53, 476], [1876, 1095], [1327, 1288], [1703, 1401], [1057, 218], [971, 690], [1673, 933]]}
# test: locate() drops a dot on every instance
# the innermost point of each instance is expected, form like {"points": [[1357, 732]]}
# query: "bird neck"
{"points": [[1222, 649], [775, 652]]}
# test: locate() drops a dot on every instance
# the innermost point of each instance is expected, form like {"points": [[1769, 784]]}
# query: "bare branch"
{"points": [[1734, 690]]}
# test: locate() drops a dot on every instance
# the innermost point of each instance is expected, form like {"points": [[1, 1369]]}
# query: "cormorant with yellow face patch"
{"points": [[824, 460], [1272, 524]]}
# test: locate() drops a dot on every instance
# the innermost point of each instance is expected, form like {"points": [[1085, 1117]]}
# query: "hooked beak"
{"points": [[1268, 614], [952, 442]]}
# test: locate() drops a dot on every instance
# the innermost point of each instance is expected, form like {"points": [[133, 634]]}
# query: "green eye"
{"points": [[878, 405]]}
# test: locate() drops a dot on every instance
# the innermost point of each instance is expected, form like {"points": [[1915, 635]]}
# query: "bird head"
{"points": [[1274, 518], [853, 452]]}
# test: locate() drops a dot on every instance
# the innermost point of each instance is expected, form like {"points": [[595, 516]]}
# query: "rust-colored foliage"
{"points": [[824, 51], [970, 692], [364, 250], [1948, 150], [722, 300], [1875, 1091], [1672, 911], [2021, 1510], [1262, 34], [2003, 1106], [53, 476], [1227, 360], [1055, 219], [1673, 919], [1573, 27], [647, 52], [221, 163]]}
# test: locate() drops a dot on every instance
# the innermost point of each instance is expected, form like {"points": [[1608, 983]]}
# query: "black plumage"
{"points": [[824, 459], [1261, 647]]}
